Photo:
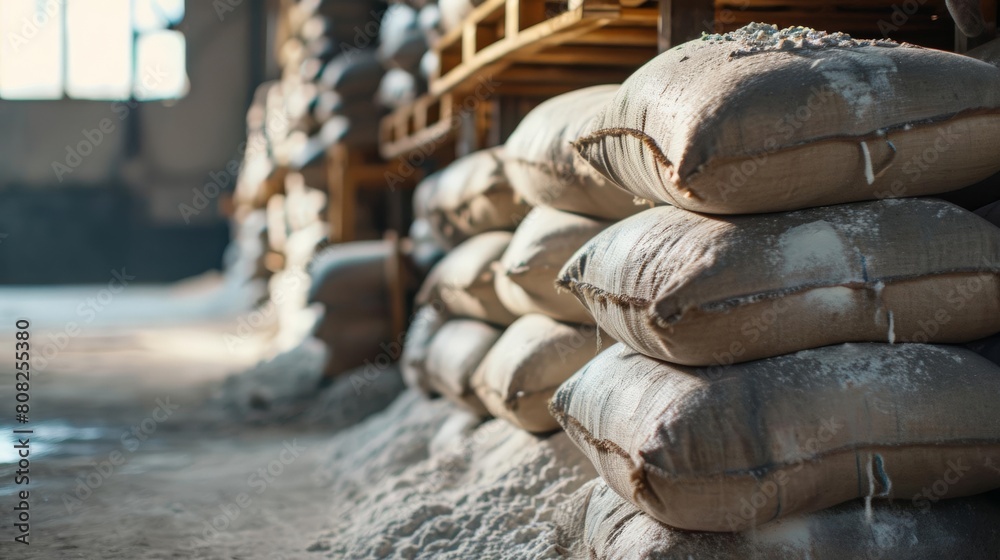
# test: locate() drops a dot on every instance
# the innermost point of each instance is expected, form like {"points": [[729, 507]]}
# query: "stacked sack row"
{"points": [[789, 319], [493, 333], [324, 96], [409, 28], [407, 31]]}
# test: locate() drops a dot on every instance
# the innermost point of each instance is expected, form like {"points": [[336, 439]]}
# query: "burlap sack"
{"points": [[353, 74], [352, 339], [760, 121], [726, 449], [698, 290], [401, 41], [426, 323], [424, 194], [544, 168], [351, 276], [463, 282], [968, 528], [533, 357], [472, 197], [527, 272], [398, 88], [453, 356], [990, 52]]}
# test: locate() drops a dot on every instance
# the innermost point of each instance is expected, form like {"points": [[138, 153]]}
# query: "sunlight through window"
{"points": [[92, 49]]}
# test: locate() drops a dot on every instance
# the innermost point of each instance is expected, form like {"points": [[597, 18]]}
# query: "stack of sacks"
{"points": [[298, 215], [350, 24], [469, 197], [429, 20], [257, 164], [679, 419], [427, 249], [614, 530], [350, 281], [244, 258], [402, 44], [329, 79], [555, 335], [342, 110], [986, 191], [470, 209]]}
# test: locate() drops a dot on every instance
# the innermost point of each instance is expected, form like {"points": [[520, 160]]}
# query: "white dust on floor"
{"points": [[421, 480]]}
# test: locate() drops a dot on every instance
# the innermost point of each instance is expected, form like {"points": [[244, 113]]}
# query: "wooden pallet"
{"points": [[510, 48], [427, 122], [524, 41], [349, 171]]}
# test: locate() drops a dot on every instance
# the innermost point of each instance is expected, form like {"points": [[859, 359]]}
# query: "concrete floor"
{"points": [[127, 460]]}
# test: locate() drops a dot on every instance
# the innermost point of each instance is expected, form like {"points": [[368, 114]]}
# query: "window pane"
{"points": [[99, 51], [152, 15], [160, 66], [31, 49]]}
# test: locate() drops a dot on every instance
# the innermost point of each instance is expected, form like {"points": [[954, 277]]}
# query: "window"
{"points": [[92, 49]]}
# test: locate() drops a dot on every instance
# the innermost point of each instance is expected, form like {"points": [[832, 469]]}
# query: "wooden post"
{"points": [[341, 197], [684, 20]]}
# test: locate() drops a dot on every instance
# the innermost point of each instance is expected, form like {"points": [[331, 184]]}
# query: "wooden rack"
{"points": [[349, 171], [509, 48]]}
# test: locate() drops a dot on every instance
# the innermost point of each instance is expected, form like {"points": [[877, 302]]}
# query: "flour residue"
{"points": [[835, 298], [763, 37], [860, 81], [812, 245], [867, 155], [793, 532]]}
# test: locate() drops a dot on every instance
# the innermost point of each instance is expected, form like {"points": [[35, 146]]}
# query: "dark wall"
{"points": [[120, 205]]}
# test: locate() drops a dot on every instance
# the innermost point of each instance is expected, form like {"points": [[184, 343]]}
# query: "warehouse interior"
{"points": [[584, 279]]}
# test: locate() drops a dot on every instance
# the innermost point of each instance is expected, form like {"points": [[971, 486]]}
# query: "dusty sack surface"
{"points": [[990, 52], [544, 168], [968, 528], [472, 196], [426, 323], [728, 449], [418, 481], [463, 282], [527, 364], [700, 290], [759, 120], [527, 272], [454, 353]]}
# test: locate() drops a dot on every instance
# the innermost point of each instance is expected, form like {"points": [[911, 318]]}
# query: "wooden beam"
{"points": [[684, 20]]}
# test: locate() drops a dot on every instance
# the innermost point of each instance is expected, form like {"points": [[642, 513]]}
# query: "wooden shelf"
{"points": [[521, 48], [349, 171]]}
